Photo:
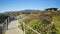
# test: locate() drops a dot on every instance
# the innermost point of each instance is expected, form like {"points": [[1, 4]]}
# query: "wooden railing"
{"points": [[4, 26], [25, 25]]}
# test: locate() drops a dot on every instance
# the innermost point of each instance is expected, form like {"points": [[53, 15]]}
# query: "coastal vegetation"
{"points": [[43, 22]]}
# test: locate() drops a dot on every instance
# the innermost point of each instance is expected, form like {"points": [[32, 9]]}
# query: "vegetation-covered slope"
{"points": [[43, 22]]}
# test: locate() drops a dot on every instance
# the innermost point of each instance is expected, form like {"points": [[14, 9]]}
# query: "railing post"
{"points": [[29, 28], [23, 28], [7, 22], [24, 25]]}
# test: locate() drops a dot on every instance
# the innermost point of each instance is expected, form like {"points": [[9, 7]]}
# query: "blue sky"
{"points": [[17, 5]]}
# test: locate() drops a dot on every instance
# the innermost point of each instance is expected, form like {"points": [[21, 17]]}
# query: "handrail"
{"points": [[4, 21], [29, 28]]}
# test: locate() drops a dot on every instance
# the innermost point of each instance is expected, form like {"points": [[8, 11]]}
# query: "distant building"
{"points": [[51, 9]]}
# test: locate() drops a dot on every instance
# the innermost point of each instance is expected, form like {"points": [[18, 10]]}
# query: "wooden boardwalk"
{"points": [[13, 28]]}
